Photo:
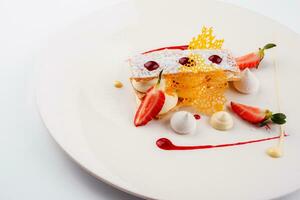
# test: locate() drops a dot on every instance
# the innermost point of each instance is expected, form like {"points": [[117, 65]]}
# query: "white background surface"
{"points": [[32, 166]]}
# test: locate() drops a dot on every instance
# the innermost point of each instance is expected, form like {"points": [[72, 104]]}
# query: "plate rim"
{"points": [[78, 161]]}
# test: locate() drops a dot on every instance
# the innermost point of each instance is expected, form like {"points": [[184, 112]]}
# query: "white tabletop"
{"points": [[32, 165]]}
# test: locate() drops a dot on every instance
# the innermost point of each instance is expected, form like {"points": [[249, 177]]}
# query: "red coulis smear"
{"points": [[197, 117], [166, 144], [181, 47]]}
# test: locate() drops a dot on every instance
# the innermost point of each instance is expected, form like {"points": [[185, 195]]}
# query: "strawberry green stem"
{"points": [[269, 46], [159, 77], [261, 51], [277, 118], [268, 114]]}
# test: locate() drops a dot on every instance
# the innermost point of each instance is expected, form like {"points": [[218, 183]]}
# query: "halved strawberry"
{"points": [[248, 113], [253, 59], [151, 105], [256, 115]]}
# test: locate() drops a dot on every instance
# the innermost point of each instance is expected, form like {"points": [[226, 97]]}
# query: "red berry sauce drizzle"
{"points": [[213, 58], [181, 47], [166, 144]]}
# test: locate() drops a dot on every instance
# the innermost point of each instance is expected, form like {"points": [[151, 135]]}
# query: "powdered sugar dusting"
{"points": [[168, 61]]}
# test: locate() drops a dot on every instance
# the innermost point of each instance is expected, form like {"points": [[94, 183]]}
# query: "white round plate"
{"points": [[93, 121]]}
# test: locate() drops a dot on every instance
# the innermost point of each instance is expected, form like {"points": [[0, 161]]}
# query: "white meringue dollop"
{"points": [[248, 83], [183, 122], [221, 121]]}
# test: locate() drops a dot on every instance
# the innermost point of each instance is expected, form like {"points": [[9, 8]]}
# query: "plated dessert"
{"points": [[169, 79]]}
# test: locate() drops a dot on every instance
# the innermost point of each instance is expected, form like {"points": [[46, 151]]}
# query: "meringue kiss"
{"points": [[183, 122], [248, 83]]}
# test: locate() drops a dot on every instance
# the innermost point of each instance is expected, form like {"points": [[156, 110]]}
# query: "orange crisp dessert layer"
{"points": [[204, 91]]}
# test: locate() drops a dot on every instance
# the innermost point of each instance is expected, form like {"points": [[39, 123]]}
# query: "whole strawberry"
{"points": [[256, 115]]}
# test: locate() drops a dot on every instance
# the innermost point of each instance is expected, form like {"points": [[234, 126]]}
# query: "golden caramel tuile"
{"points": [[204, 90], [206, 40], [199, 84]]}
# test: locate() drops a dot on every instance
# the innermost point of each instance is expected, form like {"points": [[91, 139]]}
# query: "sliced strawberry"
{"points": [[151, 105], [250, 60], [253, 59], [256, 115], [248, 113]]}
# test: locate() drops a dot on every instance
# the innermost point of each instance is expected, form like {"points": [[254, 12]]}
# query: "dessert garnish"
{"points": [[215, 59], [151, 104], [151, 65], [206, 40], [276, 151], [256, 115], [202, 91], [252, 60], [221, 121], [166, 144], [170, 99], [248, 82], [197, 116], [185, 61], [118, 84], [183, 122]]}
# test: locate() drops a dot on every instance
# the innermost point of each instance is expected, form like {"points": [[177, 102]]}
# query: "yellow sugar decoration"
{"points": [[204, 91], [206, 40], [197, 64]]}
